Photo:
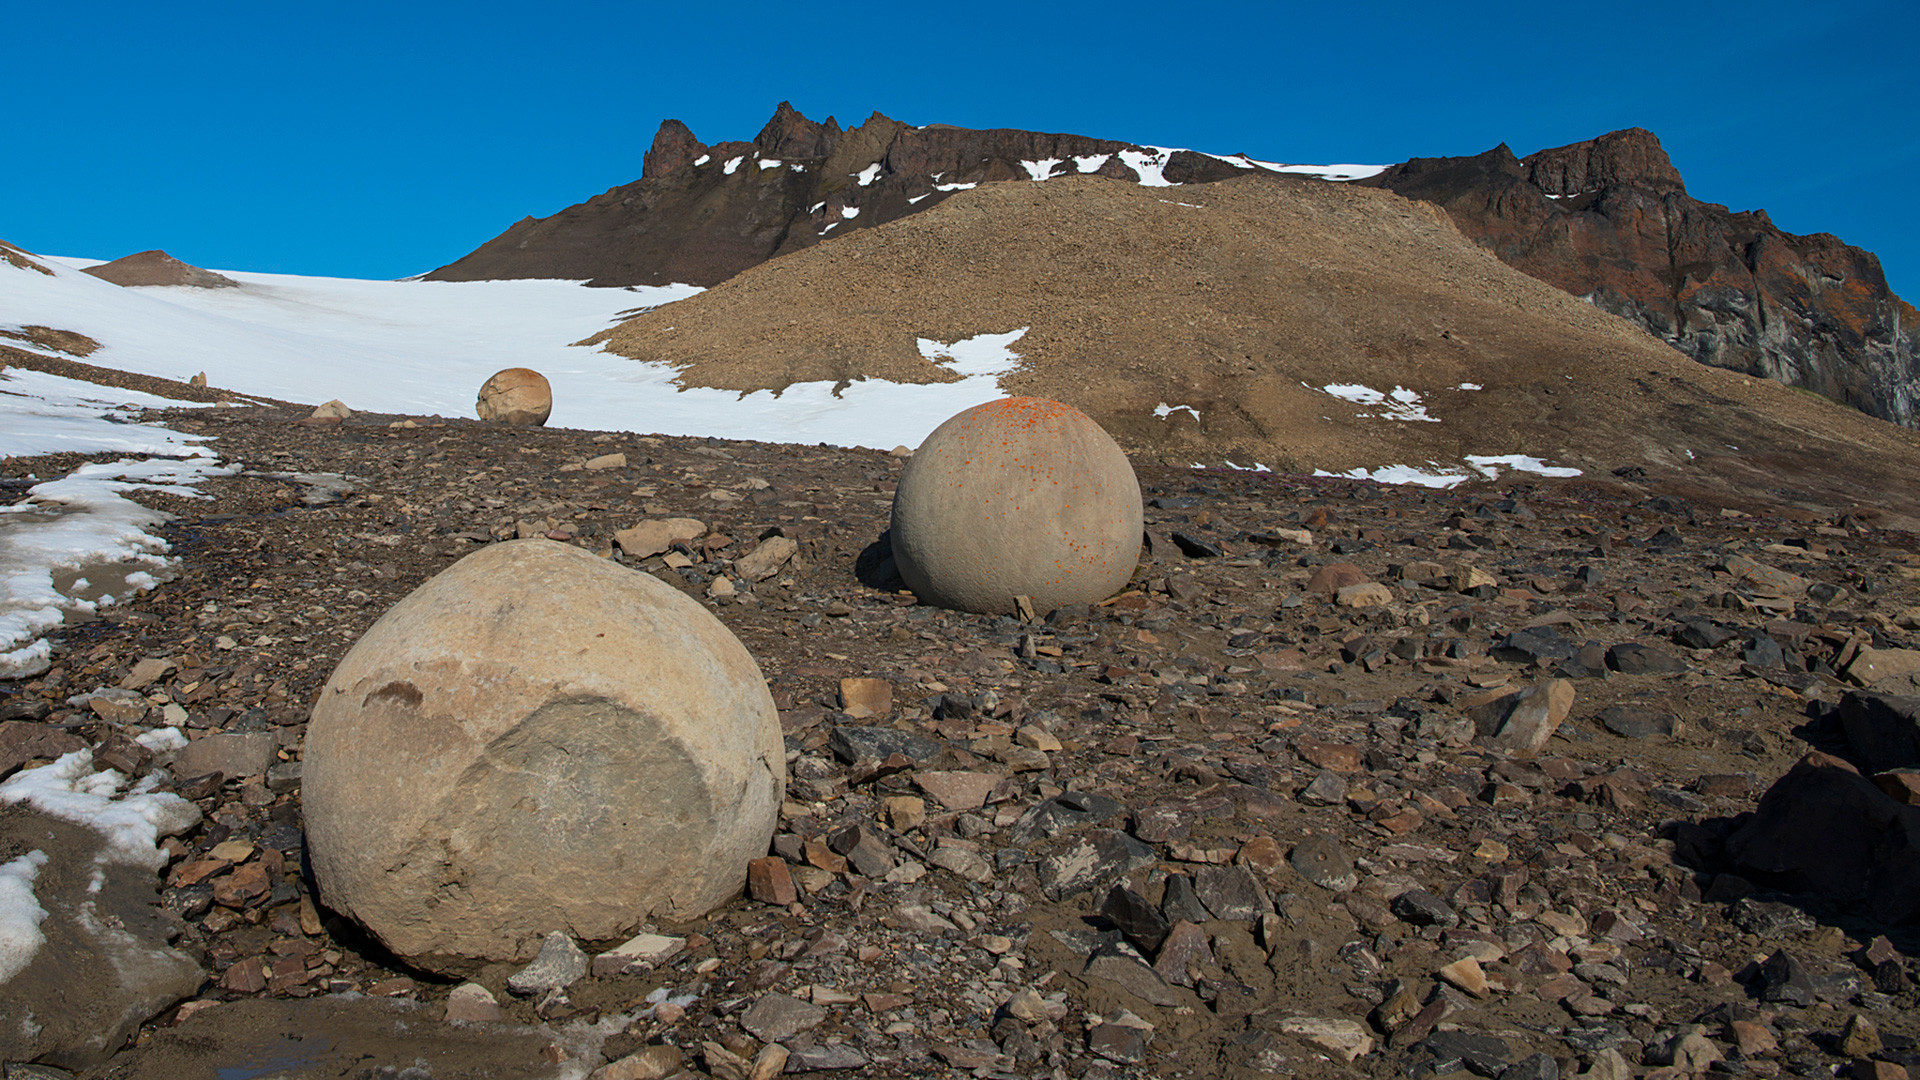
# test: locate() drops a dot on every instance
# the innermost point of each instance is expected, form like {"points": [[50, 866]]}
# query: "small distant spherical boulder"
{"points": [[1018, 497], [518, 396], [537, 740]]}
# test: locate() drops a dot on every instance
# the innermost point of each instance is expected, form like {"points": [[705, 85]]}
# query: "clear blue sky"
{"points": [[381, 140]]}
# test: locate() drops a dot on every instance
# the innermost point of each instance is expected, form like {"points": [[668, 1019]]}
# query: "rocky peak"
{"points": [[1633, 156], [674, 148], [791, 135]]}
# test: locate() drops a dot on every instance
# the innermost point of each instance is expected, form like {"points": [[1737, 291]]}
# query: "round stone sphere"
{"points": [[537, 739], [518, 396], [1018, 497]]}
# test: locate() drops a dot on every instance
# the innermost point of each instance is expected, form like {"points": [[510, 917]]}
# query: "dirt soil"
{"points": [[158, 268], [1185, 740], [1240, 299]]}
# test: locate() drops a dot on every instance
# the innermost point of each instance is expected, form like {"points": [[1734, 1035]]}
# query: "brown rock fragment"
{"points": [[770, 882]]}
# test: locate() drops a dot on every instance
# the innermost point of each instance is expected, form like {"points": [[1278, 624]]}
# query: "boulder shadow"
{"points": [[875, 566]]}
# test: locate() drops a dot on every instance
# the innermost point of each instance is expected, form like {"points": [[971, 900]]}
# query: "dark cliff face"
{"points": [[702, 214], [1610, 220]]}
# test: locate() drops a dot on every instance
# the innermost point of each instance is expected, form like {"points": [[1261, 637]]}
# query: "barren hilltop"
{"points": [[1607, 219]]}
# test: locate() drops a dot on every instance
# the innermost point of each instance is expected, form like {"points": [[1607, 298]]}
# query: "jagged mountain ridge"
{"points": [[702, 214], [1610, 220]]}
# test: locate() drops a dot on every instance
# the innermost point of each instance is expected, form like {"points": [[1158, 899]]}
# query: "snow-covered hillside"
{"points": [[424, 347]]}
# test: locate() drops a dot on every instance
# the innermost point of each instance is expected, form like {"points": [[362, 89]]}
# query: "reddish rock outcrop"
{"points": [[1610, 220]]}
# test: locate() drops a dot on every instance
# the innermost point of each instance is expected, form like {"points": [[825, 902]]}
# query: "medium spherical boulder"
{"points": [[1018, 497], [537, 739], [518, 396]]}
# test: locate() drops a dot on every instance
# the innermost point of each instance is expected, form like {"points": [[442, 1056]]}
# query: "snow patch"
{"points": [[732, 164], [1091, 162], [955, 187], [770, 163], [867, 175], [20, 914], [1469, 386], [1150, 166], [915, 199], [1488, 465], [1398, 404], [133, 821], [1435, 476], [849, 212], [82, 527], [702, 160], [1164, 410], [1042, 169]]}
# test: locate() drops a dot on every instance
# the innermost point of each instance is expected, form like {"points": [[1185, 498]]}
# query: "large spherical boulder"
{"points": [[1018, 497], [519, 396], [537, 739]]}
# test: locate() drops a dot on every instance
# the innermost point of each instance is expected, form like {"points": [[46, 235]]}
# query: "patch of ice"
{"points": [[1469, 386], [702, 160], [1488, 465], [849, 212], [867, 175], [132, 821], [20, 914], [1091, 162], [956, 187], [1164, 410], [1042, 169], [1439, 477], [733, 163]]}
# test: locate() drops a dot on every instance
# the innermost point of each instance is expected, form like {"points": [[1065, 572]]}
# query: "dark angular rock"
{"points": [[1136, 918], [1633, 658], [1882, 729], [1231, 892], [1589, 661], [1782, 979], [1102, 855], [1483, 1055], [1824, 828], [1769, 919], [1537, 643], [851, 744], [1762, 651], [1064, 813], [1193, 547], [1703, 634], [1533, 1067], [1180, 903], [1422, 908], [1630, 723], [1120, 1043]]}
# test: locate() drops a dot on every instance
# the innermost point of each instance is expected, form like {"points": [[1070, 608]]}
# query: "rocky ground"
{"points": [[1265, 813]]}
